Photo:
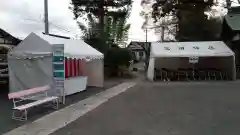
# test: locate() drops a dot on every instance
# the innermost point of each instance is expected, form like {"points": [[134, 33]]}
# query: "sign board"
{"points": [[193, 59], [58, 70]]}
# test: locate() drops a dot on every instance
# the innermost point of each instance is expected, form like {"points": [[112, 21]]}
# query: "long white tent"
{"points": [[30, 63], [174, 55]]}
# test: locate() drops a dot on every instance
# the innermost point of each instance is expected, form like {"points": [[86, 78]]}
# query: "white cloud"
{"points": [[21, 17], [136, 21]]}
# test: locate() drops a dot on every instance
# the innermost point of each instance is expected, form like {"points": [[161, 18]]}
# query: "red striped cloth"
{"points": [[79, 67], [71, 67], [74, 67], [66, 70]]}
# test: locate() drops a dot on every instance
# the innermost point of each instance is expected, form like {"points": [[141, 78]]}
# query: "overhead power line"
{"points": [[51, 23]]}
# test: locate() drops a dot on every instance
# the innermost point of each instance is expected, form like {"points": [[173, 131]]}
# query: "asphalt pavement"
{"points": [[203, 108]]}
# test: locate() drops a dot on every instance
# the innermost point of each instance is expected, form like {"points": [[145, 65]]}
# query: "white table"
{"points": [[75, 84]]}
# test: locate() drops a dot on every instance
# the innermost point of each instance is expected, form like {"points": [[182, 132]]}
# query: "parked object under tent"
{"points": [[175, 57], [30, 64]]}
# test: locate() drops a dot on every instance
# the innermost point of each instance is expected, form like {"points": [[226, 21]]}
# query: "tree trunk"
{"points": [[101, 17]]}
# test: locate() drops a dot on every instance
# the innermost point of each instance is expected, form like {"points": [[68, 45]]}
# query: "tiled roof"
{"points": [[10, 37]]}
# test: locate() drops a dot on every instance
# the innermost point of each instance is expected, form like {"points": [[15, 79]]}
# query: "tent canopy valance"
{"points": [[190, 49], [38, 45]]}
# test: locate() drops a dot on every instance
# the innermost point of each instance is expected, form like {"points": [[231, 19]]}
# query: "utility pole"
{"points": [[146, 35], [46, 16], [162, 33]]}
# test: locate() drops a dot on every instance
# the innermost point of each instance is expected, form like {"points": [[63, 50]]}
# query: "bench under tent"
{"points": [[192, 56]]}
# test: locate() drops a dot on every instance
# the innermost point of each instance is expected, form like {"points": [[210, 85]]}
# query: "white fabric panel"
{"points": [[25, 74], [94, 71], [74, 85], [30, 45], [160, 49], [150, 72], [73, 48]]}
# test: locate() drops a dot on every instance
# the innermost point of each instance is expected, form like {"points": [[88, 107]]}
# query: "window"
{"points": [[140, 53], [133, 54]]}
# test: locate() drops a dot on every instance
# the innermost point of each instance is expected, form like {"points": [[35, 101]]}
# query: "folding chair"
{"points": [[157, 73], [175, 75], [225, 75], [211, 74], [219, 74], [169, 75], [197, 74], [190, 74], [182, 74], [202, 74], [164, 74]]}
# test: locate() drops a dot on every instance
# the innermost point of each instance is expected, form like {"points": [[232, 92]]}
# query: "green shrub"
{"points": [[116, 59]]}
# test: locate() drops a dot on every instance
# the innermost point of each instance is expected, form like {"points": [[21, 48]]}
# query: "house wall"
{"points": [[139, 55], [237, 60], [5, 46], [1, 40], [137, 50], [5, 41]]}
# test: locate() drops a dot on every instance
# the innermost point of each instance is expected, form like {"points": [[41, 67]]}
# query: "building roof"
{"points": [[135, 45], [7, 35]]}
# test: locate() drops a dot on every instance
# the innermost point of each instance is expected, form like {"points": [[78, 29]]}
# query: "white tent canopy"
{"points": [[169, 54], [40, 44], [30, 63], [189, 49]]}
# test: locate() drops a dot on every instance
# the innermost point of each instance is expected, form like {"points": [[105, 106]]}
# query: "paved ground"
{"points": [[211, 108], [7, 124], [60, 118]]}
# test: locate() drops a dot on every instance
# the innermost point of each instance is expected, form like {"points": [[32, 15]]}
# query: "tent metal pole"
{"points": [[46, 16]]}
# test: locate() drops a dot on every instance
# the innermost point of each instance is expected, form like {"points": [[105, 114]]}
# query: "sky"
{"points": [[21, 17]]}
